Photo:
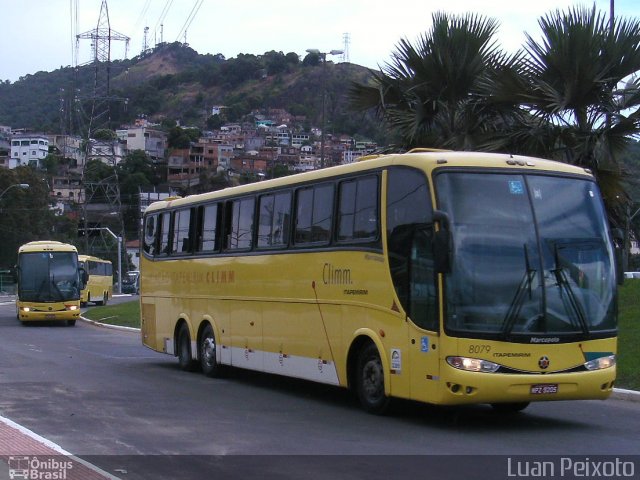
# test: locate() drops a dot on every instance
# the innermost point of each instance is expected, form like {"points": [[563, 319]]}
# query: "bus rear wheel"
{"points": [[370, 381], [513, 407], [207, 354], [185, 360]]}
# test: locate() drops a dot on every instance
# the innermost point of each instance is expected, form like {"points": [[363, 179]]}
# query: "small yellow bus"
{"points": [[443, 277], [99, 288], [49, 282]]}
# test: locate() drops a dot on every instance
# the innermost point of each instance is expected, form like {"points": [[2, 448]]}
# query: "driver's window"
{"points": [[409, 243]]}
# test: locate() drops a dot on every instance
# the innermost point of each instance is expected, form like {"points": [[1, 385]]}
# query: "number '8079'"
{"points": [[479, 349]]}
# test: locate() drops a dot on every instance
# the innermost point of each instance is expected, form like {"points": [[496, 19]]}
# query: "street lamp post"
{"points": [[119, 240], [22, 186], [627, 235], [323, 56]]}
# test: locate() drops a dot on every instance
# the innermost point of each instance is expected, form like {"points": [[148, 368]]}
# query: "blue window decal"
{"points": [[424, 344], [516, 187]]}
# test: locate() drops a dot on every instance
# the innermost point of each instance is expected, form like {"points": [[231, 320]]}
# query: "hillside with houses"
{"points": [[199, 122]]}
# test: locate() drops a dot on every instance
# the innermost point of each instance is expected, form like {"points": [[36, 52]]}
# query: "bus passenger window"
{"points": [[208, 236], [181, 243], [358, 209], [273, 224], [314, 214], [241, 224], [165, 224], [150, 234]]}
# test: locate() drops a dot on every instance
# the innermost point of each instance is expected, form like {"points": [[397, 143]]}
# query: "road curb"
{"points": [[628, 395], [112, 327]]}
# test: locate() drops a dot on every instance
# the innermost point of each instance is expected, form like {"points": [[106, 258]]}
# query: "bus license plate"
{"points": [[544, 389], [50, 316]]}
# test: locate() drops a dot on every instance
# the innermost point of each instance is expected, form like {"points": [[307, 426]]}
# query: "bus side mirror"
{"points": [[13, 271], [442, 243], [84, 277], [619, 251]]}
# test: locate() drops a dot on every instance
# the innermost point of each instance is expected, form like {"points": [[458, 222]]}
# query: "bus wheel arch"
{"points": [[368, 374]]}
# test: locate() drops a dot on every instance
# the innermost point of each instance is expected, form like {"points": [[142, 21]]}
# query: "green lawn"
{"points": [[128, 314], [629, 336]]}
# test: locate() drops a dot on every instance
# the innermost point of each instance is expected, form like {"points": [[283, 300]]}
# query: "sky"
{"points": [[40, 35]]}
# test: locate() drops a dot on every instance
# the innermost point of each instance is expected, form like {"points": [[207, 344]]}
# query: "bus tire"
{"points": [[207, 354], [370, 381], [185, 360], [71, 323], [105, 298], [513, 407]]}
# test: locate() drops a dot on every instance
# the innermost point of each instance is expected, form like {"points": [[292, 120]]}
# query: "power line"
{"points": [[143, 12], [192, 15]]}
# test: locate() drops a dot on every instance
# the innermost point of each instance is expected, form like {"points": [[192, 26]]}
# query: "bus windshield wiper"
{"points": [[570, 300], [518, 299]]}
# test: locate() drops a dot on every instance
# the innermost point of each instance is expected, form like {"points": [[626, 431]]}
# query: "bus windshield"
{"points": [[48, 277], [532, 257]]}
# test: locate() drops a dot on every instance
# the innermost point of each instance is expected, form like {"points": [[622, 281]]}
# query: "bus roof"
{"points": [[425, 159], [84, 258], [47, 246]]}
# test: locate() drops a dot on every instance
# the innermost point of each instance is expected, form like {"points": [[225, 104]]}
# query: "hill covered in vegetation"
{"points": [[174, 82]]}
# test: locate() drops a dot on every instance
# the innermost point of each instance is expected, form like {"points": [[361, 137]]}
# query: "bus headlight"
{"points": [[472, 364], [71, 307], [600, 363], [25, 309]]}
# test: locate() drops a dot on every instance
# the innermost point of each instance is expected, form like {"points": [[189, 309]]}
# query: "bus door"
{"points": [[422, 312], [410, 235]]}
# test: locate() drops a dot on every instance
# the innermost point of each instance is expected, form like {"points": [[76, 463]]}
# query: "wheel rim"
{"points": [[209, 351], [373, 380]]}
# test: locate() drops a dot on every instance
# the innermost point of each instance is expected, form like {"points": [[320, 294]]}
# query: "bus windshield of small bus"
{"points": [[531, 256], [48, 277]]}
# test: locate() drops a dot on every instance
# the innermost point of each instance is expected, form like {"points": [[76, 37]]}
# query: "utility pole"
{"points": [[100, 100], [323, 57]]}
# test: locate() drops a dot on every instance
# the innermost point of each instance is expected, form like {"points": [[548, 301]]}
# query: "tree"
{"points": [[438, 93], [17, 205], [582, 98], [105, 134], [97, 171], [178, 138]]}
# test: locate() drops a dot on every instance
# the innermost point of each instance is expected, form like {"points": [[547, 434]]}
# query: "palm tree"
{"points": [[581, 95], [437, 93]]}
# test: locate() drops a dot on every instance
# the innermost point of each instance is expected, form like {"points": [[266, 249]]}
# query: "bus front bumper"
{"points": [[462, 387]]}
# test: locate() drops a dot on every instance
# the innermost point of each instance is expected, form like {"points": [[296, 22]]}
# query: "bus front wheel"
{"points": [[184, 350], [370, 381], [207, 354]]}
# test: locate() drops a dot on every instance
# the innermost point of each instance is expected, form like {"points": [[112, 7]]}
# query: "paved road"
{"points": [[101, 395]]}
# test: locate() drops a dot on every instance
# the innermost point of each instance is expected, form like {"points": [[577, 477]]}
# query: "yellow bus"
{"points": [[99, 287], [49, 282], [443, 277]]}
